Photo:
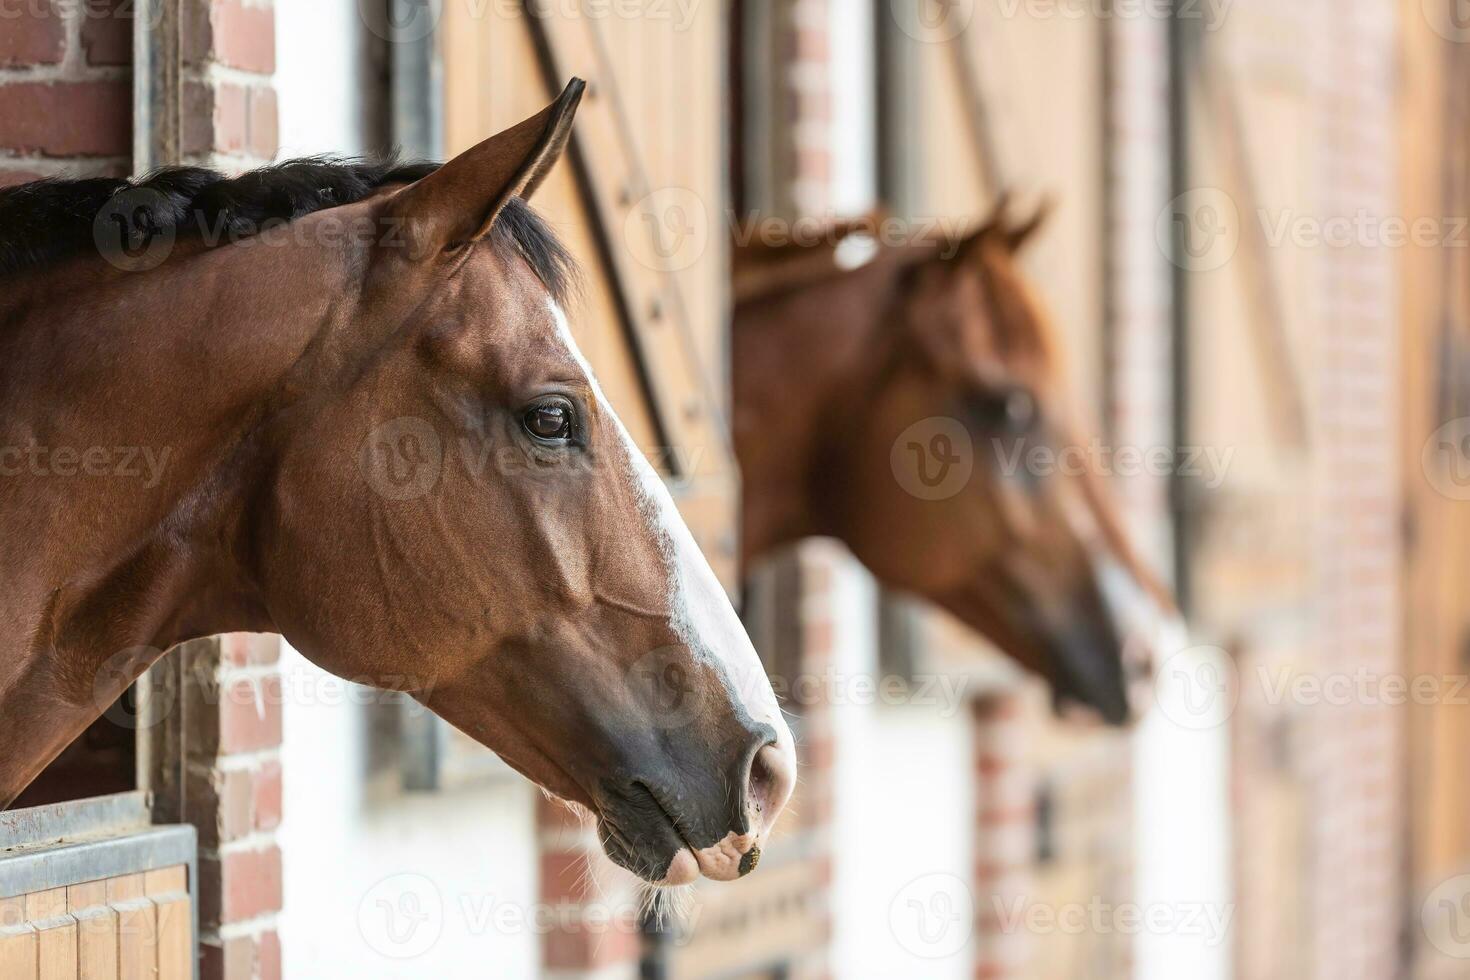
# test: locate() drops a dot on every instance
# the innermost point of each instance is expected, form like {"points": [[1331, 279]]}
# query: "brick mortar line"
{"points": [[255, 842], [235, 762], [214, 73], [252, 928], [242, 761], [228, 161], [10, 164], [72, 57], [61, 73]]}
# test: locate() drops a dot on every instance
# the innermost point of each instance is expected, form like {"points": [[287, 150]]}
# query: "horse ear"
{"points": [[1016, 236], [999, 228], [459, 202]]}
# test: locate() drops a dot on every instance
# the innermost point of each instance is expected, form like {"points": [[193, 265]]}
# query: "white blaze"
{"points": [[704, 619]]}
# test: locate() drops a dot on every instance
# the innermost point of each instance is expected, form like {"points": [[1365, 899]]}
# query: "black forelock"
{"points": [[49, 220], [520, 227]]}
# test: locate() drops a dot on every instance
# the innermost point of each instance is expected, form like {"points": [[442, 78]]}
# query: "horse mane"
{"points": [[49, 220]]}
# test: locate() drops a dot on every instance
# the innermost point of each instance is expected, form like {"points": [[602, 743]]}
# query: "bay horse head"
{"points": [[915, 406], [401, 462]]}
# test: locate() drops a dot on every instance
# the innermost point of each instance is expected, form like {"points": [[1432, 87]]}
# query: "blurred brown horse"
{"points": [[321, 397], [906, 404]]}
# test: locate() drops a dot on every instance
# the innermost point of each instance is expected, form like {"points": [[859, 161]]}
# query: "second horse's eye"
{"points": [[549, 422], [1011, 409]]}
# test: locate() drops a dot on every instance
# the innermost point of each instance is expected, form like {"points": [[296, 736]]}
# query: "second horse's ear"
{"points": [[1003, 231], [459, 202], [1017, 235]]}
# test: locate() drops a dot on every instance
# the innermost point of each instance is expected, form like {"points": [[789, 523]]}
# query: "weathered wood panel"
{"points": [[641, 200], [89, 890], [1435, 302], [137, 925]]}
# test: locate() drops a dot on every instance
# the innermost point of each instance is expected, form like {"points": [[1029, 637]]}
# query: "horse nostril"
{"points": [[767, 788], [760, 779]]}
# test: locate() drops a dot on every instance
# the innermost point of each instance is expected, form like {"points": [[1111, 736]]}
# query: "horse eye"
{"points": [[1020, 409], [1012, 409], [549, 421]]}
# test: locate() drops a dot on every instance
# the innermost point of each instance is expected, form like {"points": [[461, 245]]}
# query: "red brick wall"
{"points": [[574, 874], [805, 82], [65, 89], [1005, 845], [1138, 319], [1355, 754], [810, 813], [805, 188], [231, 761]]}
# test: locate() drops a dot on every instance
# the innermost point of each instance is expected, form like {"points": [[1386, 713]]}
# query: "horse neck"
{"points": [[163, 376], [802, 357]]}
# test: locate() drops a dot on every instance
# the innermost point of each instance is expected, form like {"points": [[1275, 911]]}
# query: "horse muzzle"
{"points": [[672, 823]]}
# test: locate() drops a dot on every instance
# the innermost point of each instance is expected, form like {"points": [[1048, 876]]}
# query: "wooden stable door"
{"points": [[91, 891], [1435, 384], [640, 200]]}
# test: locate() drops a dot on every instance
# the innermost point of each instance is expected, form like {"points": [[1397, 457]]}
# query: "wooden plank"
{"points": [[125, 887], [166, 881], [137, 943], [1435, 385], [49, 904], [97, 943], [86, 895], [169, 890], [96, 930], [18, 953], [175, 937], [57, 949], [12, 911], [56, 934]]}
